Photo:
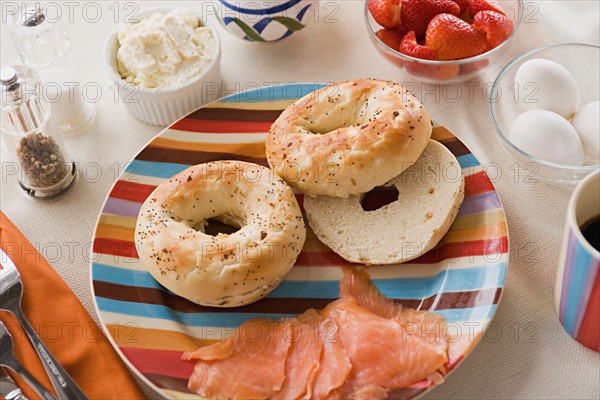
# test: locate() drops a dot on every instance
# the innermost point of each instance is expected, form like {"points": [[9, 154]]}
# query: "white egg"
{"points": [[548, 136], [547, 85], [586, 122]]}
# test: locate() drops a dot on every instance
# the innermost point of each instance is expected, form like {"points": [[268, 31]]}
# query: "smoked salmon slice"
{"points": [[422, 333], [361, 346], [384, 355], [249, 365], [358, 284], [335, 364], [303, 359]]}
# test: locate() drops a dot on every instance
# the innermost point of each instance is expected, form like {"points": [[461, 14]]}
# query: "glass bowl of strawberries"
{"points": [[442, 41]]}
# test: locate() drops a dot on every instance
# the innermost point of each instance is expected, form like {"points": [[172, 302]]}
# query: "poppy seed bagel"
{"points": [[348, 138], [430, 193], [226, 270]]}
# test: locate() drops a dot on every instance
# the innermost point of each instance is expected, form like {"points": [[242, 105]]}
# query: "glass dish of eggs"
{"points": [[546, 112]]}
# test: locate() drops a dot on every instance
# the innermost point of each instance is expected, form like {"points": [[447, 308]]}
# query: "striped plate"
{"points": [[461, 279]]}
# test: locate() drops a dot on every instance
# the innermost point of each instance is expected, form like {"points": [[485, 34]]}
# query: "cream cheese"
{"points": [[164, 51]]}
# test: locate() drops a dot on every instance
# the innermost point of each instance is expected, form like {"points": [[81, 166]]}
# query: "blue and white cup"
{"points": [[577, 293], [265, 20]]}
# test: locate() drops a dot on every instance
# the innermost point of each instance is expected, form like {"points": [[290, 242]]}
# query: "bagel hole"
{"points": [[340, 115], [333, 124], [379, 197], [222, 224]]}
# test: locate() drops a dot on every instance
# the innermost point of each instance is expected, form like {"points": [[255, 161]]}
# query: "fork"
{"points": [[7, 359], [11, 292]]}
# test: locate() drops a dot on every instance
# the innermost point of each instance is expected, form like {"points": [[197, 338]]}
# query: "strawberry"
{"points": [[497, 27], [468, 8], [464, 6], [454, 39], [416, 14], [390, 37], [385, 12], [410, 47], [482, 5]]}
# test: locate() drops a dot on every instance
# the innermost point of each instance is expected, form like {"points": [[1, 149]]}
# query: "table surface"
{"points": [[526, 355]]}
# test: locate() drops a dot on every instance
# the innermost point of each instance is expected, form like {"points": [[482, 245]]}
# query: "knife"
{"points": [[8, 387]]}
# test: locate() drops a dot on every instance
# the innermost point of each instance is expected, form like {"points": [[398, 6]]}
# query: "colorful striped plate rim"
{"points": [[461, 279]]}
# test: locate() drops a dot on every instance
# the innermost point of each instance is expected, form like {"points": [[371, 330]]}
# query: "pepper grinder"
{"points": [[42, 43], [32, 140]]}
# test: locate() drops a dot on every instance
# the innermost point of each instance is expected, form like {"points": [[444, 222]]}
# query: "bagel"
{"points": [[429, 196], [222, 270], [348, 138]]}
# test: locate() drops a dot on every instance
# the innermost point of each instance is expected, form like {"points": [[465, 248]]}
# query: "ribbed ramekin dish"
{"points": [[165, 106]]}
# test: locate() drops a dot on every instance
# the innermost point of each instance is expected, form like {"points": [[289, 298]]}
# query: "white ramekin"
{"points": [[163, 107]]}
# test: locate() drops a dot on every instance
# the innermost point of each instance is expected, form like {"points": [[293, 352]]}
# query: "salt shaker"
{"points": [[42, 43], [31, 137]]}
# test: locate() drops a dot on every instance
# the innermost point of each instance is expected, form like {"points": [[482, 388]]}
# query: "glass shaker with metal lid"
{"points": [[32, 139], [42, 43]]}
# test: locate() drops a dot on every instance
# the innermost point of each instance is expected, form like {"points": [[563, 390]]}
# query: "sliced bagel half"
{"points": [[430, 193]]}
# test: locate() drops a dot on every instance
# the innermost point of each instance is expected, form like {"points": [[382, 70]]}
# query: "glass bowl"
{"points": [[583, 62], [447, 71]]}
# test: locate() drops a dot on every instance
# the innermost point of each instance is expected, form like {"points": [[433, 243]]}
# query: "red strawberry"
{"points": [[482, 5], [464, 6], [390, 37], [454, 39], [497, 27], [468, 8], [385, 12], [416, 14], [410, 47]]}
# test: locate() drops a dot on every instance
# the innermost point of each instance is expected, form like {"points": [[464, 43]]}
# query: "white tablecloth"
{"points": [[527, 355]]}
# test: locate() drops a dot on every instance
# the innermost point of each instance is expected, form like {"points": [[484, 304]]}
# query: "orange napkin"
{"points": [[64, 326]]}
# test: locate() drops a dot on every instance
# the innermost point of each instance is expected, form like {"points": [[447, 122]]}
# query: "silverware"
{"points": [[7, 359], [11, 292], [8, 387]]}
